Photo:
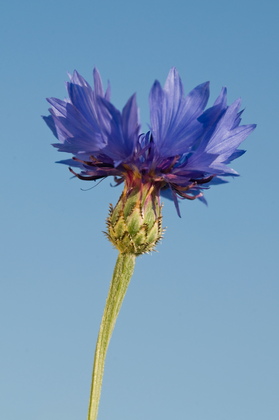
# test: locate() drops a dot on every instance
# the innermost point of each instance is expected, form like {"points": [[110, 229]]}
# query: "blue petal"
{"points": [[228, 135], [77, 79], [71, 124], [174, 124], [50, 123], [122, 131], [83, 99]]}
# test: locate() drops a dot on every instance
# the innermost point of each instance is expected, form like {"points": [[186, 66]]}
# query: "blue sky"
{"points": [[197, 337]]}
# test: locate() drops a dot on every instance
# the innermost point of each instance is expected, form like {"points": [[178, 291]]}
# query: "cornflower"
{"points": [[187, 150]]}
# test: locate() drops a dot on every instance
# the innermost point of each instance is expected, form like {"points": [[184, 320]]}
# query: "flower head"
{"points": [[187, 149]]}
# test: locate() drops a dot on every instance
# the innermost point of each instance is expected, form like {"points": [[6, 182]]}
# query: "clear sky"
{"points": [[197, 336]]}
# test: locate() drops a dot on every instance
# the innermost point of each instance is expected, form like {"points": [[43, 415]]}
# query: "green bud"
{"points": [[134, 225]]}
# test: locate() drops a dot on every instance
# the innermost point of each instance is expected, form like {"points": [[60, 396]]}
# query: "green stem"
{"points": [[120, 280]]}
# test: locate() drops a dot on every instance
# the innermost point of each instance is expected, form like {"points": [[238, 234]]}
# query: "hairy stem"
{"points": [[120, 280]]}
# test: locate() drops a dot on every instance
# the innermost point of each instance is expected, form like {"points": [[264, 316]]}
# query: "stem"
{"points": [[120, 280]]}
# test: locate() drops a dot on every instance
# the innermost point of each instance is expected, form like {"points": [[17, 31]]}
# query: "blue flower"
{"points": [[187, 149]]}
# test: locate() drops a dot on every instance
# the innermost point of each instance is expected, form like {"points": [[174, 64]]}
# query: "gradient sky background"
{"points": [[197, 336]]}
